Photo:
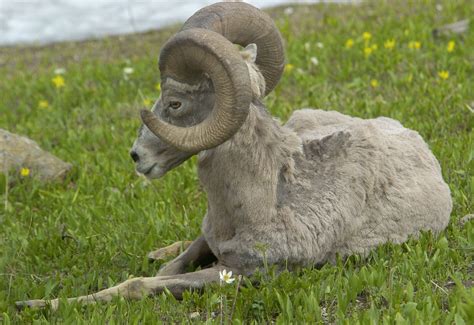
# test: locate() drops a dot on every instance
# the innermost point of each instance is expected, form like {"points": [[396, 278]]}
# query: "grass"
{"points": [[95, 229]]}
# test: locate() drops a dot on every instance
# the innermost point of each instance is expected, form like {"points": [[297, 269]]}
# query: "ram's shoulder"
{"points": [[307, 120]]}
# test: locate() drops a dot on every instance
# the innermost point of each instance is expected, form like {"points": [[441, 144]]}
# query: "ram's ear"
{"points": [[249, 53]]}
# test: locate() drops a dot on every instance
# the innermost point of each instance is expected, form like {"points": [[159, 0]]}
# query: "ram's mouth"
{"points": [[146, 171]]}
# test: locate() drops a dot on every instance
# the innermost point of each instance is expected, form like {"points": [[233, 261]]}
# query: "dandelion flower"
{"points": [[374, 83], [368, 51], [147, 102], [158, 87], [58, 81], [414, 45], [289, 67], [59, 71], [349, 43], [226, 277], [24, 172], [43, 104], [389, 44], [443, 74], [314, 60], [366, 36], [451, 45]]}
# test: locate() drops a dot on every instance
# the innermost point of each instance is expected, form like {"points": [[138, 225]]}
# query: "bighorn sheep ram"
{"points": [[322, 184]]}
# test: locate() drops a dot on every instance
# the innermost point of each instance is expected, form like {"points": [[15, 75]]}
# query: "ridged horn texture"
{"points": [[184, 58], [244, 24]]}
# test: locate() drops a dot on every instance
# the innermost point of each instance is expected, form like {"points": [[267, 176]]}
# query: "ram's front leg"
{"points": [[138, 288]]}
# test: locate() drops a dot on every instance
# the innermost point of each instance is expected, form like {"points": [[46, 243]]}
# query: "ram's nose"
{"points": [[134, 156]]}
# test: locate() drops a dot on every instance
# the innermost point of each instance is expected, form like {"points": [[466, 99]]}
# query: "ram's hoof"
{"points": [[172, 250], [152, 257], [20, 305]]}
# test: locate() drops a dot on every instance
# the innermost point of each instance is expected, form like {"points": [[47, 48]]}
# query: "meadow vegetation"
{"points": [[80, 101]]}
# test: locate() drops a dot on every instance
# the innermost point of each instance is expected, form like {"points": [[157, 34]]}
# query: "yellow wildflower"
{"points": [[443, 74], [414, 45], [43, 104], [374, 83], [58, 81], [451, 46], [366, 36], [147, 102], [289, 67], [158, 87], [368, 51], [389, 44], [349, 43], [374, 47], [24, 172]]}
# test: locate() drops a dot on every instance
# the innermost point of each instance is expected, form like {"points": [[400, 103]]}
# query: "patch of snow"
{"points": [[47, 21]]}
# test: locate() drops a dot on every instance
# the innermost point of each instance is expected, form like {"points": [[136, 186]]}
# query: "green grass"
{"points": [[95, 229]]}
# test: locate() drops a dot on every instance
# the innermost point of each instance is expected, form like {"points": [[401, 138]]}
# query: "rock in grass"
{"points": [[26, 157], [458, 27], [464, 220]]}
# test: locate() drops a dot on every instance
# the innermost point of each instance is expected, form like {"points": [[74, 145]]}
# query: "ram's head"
{"points": [[207, 84]]}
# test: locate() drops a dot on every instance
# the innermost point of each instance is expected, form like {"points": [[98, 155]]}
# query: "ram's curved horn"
{"points": [[243, 24], [185, 57]]}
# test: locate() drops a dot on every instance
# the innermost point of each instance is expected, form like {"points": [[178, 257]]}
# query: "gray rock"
{"points": [[464, 220], [17, 152]]}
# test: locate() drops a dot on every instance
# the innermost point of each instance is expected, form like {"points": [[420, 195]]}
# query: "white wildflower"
{"points": [[59, 71], [289, 11], [320, 45], [314, 60], [127, 70], [226, 276], [194, 315]]}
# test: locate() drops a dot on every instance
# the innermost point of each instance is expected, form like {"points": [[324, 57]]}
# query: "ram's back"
{"points": [[361, 183]]}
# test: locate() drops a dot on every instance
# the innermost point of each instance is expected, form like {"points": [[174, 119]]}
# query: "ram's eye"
{"points": [[175, 104]]}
